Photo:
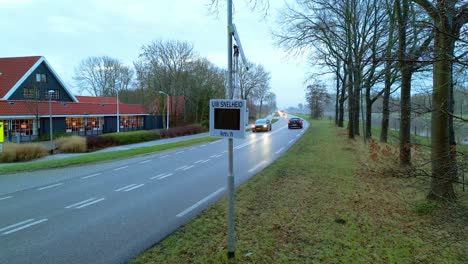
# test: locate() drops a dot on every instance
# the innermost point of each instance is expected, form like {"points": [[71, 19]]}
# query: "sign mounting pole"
{"points": [[230, 176]]}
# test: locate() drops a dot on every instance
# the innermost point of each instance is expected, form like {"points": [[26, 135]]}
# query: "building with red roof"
{"points": [[31, 92]]}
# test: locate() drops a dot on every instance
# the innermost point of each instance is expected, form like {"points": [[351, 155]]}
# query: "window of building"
{"points": [[74, 124], [22, 126], [40, 77], [30, 93]]}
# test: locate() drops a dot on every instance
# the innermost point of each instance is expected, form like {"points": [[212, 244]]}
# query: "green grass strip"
{"points": [[311, 206], [99, 157]]}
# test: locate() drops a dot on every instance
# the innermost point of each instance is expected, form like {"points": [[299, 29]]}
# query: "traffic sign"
{"points": [[227, 118], [1, 132]]}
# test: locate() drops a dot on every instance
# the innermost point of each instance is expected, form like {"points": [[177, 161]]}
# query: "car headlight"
{"points": [[264, 125]]}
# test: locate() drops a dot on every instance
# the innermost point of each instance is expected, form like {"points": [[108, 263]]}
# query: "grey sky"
{"points": [[66, 31]]}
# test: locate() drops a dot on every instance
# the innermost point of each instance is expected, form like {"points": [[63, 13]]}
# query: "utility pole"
{"points": [[230, 177]]}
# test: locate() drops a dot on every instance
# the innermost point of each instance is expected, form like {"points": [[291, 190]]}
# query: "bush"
{"points": [[46, 136], [182, 131], [125, 138], [72, 144], [99, 142], [22, 152]]}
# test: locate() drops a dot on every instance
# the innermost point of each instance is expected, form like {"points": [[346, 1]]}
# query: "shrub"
{"points": [[22, 152], [182, 131], [46, 136], [99, 142], [125, 138], [72, 144]]}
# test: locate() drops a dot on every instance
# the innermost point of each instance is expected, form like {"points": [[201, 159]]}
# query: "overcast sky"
{"points": [[67, 31]]}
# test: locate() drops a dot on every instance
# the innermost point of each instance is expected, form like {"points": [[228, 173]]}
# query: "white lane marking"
{"points": [[213, 156], [189, 167], [281, 149], [181, 168], [90, 203], [145, 161], [125, 187], [225, 151], [157, 176], [186, 211], [180, 152], [15, 225], [6, 197], [134, 187], [78, 203], [217, 156], [90, 176], [257, 166], [121, 168], [290, 141], [165, 176], [214, 142], [25, 226], [192, 148], [298, 135], [198, 161], [205, 161], [203, 146], [165, 156], [50, 186]]}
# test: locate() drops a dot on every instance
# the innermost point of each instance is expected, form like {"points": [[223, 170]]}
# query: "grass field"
{"points": [[98, 157], [319, 204]]}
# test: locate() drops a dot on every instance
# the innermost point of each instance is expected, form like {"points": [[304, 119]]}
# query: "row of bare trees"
{"points": [[172, 68], [374, 47]]}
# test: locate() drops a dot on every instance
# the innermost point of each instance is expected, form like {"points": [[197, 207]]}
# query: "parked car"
{"points": [[295, 122], [261, 125]]}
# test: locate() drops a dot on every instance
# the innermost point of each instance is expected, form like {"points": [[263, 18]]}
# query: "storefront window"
{"points": [[23, 127]]}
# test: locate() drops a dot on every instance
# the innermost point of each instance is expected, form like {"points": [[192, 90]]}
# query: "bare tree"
{"points": [[448, 16], [316, 97], [252, 79], [102, 76]]}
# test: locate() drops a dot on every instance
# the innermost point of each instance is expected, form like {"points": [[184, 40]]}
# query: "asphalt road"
{"points": [[110, 212]]}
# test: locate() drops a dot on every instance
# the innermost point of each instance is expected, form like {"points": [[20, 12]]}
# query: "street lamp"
{"points": [[167, 109], [118, 114], [51, 92]]}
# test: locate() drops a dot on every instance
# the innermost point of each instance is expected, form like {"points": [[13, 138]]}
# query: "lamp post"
{"points": [[118, 114], [167, 109], [51, 92]]}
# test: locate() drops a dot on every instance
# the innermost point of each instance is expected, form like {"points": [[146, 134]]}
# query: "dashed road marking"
{"points": [[290, 141], [180, 152], [125, 187], [134, 187], [281, 149], [6, 197], [165, 176], [121, 168], [21, 225], [188, 167], [50, 186], [145, 161], [188, 210], [165, 156], [181, 168], [84, 203], [257, 166], [90, 176]]}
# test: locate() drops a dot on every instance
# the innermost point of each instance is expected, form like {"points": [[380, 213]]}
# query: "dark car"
{"points": [[261, 125], [295, 122]]}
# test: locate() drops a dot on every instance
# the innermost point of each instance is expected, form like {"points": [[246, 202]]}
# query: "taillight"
{"points": [[289, 122]]}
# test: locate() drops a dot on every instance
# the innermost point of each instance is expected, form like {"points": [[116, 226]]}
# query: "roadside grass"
{"points": [[98, 157], [316, 204]]}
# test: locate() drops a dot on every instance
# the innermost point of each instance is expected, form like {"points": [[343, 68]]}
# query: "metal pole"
{"points": [[50, 125], [167, 114], [230, 177], [118, 114]]}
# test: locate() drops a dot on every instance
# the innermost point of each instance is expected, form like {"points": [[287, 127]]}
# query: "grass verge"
{"points": [[98, 157], [314, 205]]}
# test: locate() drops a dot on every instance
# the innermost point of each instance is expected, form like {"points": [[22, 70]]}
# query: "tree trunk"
{"points": [[385, 110], [405, 115], [368, 133], [441, 184], [351, 107]]}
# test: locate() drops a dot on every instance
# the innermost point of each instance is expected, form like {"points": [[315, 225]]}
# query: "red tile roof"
{"points": [[96, 99], [31, 108], [12, 70]]}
